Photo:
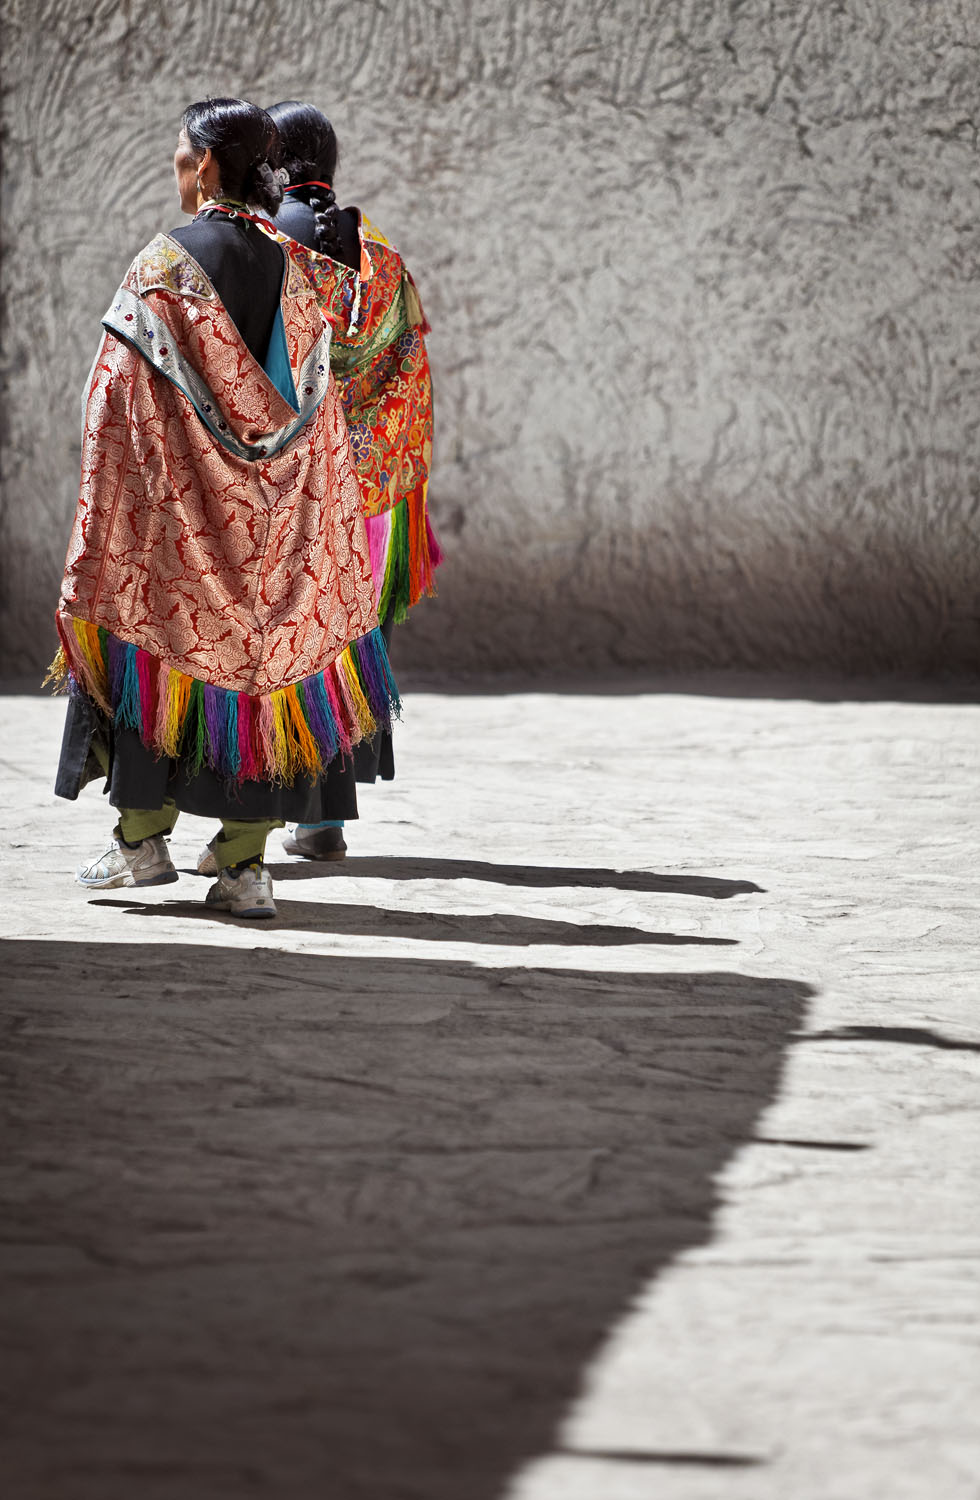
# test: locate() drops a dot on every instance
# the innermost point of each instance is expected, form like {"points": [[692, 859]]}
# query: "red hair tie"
{"points": [[294, 185]]}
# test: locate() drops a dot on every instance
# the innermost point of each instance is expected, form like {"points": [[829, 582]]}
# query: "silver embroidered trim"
{"points": [[131, 319]]}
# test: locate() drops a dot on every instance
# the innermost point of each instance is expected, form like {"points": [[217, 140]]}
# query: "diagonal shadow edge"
{"points": [[356, 1222]]}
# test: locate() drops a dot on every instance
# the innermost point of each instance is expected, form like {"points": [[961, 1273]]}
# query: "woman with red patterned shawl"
{"points": [[218, 622], [378, 356]]}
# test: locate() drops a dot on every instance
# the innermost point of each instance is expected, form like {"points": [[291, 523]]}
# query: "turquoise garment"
{"points": [[276, 363]]}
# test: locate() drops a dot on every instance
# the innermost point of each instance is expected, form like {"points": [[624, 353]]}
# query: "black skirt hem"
{"points": [[138, 778]]}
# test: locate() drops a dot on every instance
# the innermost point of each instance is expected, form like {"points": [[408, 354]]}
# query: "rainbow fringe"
{"points": [[404, 557], [292, 731]]}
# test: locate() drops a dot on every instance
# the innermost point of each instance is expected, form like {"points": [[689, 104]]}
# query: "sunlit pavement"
{"points": [[605, 1128]]}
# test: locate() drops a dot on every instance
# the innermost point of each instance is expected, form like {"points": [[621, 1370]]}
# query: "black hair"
{"points": [[244, 141], [308, 149]]}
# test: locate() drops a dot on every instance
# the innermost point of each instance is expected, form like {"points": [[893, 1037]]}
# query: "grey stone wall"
{"points": [[703, 284]]}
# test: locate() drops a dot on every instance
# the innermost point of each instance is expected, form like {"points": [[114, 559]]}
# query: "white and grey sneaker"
{"points": [[206, 862], [148, 864], [316, 843], [245, 893]]}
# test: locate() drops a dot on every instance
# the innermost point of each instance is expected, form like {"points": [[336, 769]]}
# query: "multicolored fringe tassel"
{"points": [[292, 731], [404, 556]]}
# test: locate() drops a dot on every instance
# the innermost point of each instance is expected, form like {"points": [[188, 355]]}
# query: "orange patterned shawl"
{"points": [[378, 356], [217, 592]]}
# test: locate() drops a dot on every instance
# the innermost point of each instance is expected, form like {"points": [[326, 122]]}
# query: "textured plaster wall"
{"points": [[703, 279]]}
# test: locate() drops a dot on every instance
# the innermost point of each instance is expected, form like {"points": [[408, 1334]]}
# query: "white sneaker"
{"points": [[206, 862], [245, 894], [148, 864], [316, 843]]}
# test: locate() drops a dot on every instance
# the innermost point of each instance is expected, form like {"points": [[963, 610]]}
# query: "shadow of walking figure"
{"points": [[422, 867], [347, 919]]}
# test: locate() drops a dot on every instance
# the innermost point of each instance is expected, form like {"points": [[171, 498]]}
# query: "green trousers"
{"points": [[241, 840]]}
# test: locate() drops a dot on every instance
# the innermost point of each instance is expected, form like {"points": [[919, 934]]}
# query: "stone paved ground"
{"points": [[604, 1129]]}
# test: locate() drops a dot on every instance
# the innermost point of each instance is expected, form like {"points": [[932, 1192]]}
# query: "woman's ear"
{"points": [[206, 186]]}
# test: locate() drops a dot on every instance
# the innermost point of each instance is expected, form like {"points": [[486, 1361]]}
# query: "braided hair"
{"points": [[308, 153], [244, 142]]}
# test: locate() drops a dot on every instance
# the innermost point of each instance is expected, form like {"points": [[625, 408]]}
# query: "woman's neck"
{"points": [[219, 200]]}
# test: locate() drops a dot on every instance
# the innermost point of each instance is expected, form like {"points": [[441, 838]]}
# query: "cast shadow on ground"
{"points": [[289, 1225], [936, 682], [346, 920], [907, 1036], [545, 877]]}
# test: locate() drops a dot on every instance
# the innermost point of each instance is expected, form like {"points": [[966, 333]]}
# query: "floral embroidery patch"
{"points": [[165, 266]]}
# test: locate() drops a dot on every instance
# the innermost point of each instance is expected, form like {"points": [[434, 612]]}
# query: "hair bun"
{"points": [[267, 189]]}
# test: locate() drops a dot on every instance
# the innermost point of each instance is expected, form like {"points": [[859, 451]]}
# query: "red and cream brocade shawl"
{"points": [[217, 592]]}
